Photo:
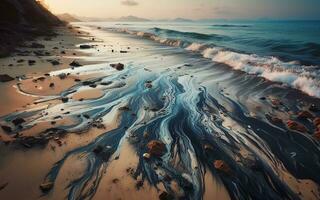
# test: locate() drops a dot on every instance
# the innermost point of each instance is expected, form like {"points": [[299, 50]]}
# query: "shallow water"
{"points": [[201, 110]]}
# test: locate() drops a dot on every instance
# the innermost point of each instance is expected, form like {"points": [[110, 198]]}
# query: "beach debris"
{"points": [[122, 51], [4, 185], [31, 62], [51, 85], [98, 149], [63, 52], [316, 122], [274, 120], [139, 184], [262, 98], [54, 62], [118, 66], [166, 196], [36, 45], [304, 115], [148, 84], [93, 85], [146, 156], [314, 108], [75, 64], [221, 166], [156, 148], [5, 78], [296, 126], [124, 108], [208, 147], [20, 61], [145, 135], [316, 135], [64, 99], [115, 181], [98, 27], [7, 129], [46, 187], [85, 46], [62, 75], [18, 121], [106, 83]]}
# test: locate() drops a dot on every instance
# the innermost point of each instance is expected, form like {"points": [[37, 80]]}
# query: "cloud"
{"points": [[129, 3]]}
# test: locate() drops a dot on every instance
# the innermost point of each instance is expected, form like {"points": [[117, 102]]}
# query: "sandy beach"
{"points": [[106, 114]]}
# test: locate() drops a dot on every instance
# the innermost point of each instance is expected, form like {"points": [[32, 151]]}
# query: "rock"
{"points": [[36, 45], [296, 126], [7, 129], [63, 52], [18, 121], [5, 78], [316, 122], [222, 166], [93, 85], [98, 149], [55, 62], [304, 115], [20, 61], [39, 53], [106, 83], [276, 120], [4, 185], [77, 80], [145, 135], [64, 99], [46, 187], [146, 156], [62, 76], [41, 78], [51, 85], [75, 64], [31, 62], [314, 108], [115, 180], [208, 147], [86, 116], [316, 135], [156, 148], [118, 66], [263, 98], [85, 46], [166, 196]]}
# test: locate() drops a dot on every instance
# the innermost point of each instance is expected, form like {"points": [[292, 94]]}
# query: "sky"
{"points": [[192, 9]]}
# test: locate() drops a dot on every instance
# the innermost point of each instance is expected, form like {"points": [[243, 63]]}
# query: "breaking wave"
{"points": [[292, 73]]}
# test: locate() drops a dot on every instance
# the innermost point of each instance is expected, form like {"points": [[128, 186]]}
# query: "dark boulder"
{"points": [[5, 78]]}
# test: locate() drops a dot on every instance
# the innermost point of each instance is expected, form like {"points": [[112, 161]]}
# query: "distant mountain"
{"points": [[181, 20], [121, 19], [68, 18], [132, 19]]}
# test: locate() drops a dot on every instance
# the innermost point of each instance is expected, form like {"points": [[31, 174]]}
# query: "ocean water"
{"points": [[280, 51]]}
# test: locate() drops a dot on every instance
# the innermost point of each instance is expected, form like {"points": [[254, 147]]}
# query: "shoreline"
{"points": [[92, 132]]}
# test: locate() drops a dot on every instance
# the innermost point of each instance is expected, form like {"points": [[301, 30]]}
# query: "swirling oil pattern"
{"points": [[214, 121]]}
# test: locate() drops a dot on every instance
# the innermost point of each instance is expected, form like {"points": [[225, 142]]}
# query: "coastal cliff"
{"points": [[22, 20]]}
